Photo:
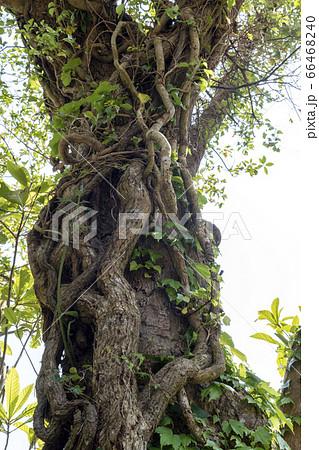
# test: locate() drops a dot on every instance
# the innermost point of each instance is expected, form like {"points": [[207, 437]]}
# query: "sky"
{"points": [[269, 255]]}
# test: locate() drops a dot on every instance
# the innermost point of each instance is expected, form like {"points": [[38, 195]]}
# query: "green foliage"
{"points": [[71, 381], [147, 259], [285, 332], [12, 416]]}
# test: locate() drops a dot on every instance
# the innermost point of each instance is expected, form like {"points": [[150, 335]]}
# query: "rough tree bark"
{"points": [[120, 312]]}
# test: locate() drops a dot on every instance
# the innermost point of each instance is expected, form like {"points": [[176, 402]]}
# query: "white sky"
{"points": [[279, 211]]}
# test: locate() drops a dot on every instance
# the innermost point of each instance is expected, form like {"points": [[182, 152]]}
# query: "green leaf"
{"points": [[285, 420], [226, 320], [226, 339], [3, 238], [204, 271], [282, 443], [166, 435], [144, 98], [66, 78], [23, 397], [10, 315], [237, 427], [261, 434], [12, 388], [266, 315], [89, 115], [154, 256], [214, 391], [19, 173], [119, 9], [71, 64], [178, 180], [265, 337], [20, 196], [74, 314], [126, 106], [3, 414], [252, 379], [27, 412], [274, 308], [173, 283], [22, 426], [226, 427], [239, 354], [275, 422], [202, 199], [8, 349], [230, 3], [198, 412], [166, 420], [212, 444], [186, 440], [135, 266]]}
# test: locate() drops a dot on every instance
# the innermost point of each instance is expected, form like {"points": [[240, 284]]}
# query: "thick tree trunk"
{"points": [[100, 317]]}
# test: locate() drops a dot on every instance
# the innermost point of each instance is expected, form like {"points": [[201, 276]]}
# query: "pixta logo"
{"points": [[138, 223], [74, 217]]}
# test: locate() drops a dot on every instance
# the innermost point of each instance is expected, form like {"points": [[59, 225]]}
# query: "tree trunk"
{"points": [[100, 317], [293, 392]]}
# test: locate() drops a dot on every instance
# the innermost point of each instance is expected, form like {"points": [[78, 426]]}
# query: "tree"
{"points": [[137, 94]]}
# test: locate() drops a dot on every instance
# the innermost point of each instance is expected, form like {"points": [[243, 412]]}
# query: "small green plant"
{"points": [[69, 381]]}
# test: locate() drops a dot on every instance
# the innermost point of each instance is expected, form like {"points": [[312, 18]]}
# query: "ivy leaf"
{"points": [[135, 266], [261, 434], [186, 440], [198, 412], [282, 443], [212, 444], [166, 435], [237, 427], [213, 391], [173, 283], [275, 422], [203, 270], [154, 256], [19, 173], [72, 64]]}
